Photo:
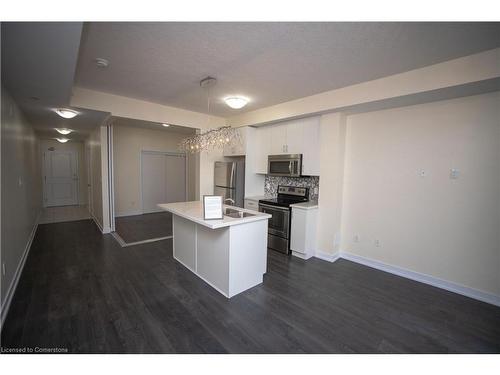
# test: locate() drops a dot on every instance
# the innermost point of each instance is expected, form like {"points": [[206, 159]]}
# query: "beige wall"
{"points": [[446, 228], [21, 189], [128, 142], [82, 173]]}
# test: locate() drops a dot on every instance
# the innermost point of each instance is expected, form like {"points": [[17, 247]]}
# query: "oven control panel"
{"points": [[292, 190]]}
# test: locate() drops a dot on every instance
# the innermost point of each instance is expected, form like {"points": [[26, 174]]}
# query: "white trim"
{"points": [[99, 224], [327, 256], [17, 275], [423, 278], [122, 243], [129, 213], [301, 255], [111, 177]]}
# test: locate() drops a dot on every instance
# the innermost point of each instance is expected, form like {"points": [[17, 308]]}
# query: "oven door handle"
{"points": [[274, 207], [290, 167]]}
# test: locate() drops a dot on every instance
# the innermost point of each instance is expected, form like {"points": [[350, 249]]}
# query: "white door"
{"points": [[163, 179], [175, 185], [153, 181], [61, 178]]}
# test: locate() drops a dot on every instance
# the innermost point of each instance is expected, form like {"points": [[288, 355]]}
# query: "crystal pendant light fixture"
{"points": [[213, 138]]}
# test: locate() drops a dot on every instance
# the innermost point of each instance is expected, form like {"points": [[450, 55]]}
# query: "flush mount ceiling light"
{"points": [[66, 113], [63, 140], [63, 131], [166, 125], [236, 102], [213, 138], [101, 63]]}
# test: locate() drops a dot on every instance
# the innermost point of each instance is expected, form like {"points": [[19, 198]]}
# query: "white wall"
{"points": [[78, 147], [332, 150], [21, 190], [445, 228], [207, 160], [128, 142]]}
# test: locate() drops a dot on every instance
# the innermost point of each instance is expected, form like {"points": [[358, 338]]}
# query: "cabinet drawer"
{"points": [[251, 204]]}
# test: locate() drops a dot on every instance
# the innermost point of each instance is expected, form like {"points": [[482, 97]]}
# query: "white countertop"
{"points": [[194, 211], [258, 197], [310, 205]]}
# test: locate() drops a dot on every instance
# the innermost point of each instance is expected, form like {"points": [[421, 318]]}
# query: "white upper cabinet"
{"points": [[295, 132], [238, 148], [310, 147], [293, 137], [262, 149], [278, 139]]}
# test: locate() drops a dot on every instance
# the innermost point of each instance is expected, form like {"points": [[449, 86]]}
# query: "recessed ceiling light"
{"points": [[101, 63], [66, 113], [236, 102], [63, 131], [63, 140], [166, 125]]}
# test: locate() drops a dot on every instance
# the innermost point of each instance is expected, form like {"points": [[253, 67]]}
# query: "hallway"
{"points": [[63, 214]]}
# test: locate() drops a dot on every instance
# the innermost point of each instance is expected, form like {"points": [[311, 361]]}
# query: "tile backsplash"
{"points": [[271, 184]]}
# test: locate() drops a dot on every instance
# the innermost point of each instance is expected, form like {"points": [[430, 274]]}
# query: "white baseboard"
{"points": [[128, 213], [17, 275], [423, 278], [327, 256], [96, 222]]}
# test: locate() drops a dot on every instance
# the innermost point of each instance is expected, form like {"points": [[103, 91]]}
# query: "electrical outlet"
{"points": [[356, 238], [422, 173], [454, 173], [377, 243]]}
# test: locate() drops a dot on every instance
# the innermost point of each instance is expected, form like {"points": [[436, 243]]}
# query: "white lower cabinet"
{"points": [[303, 232]]}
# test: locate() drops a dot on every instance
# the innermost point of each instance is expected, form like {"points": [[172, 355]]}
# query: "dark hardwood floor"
{"points": [[80, 290], [144, 227]]}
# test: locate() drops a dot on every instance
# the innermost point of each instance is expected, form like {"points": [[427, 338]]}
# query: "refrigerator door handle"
{"points": [[233, 180]]}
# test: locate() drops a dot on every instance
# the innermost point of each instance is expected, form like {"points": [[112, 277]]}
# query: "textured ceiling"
{"points": [[38, 67], [268, 62]]}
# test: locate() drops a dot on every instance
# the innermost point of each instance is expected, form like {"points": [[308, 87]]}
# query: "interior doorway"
{"points": [[60, 174]]}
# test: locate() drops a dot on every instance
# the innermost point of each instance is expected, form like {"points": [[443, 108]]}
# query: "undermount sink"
{"points": [[237, 214]]}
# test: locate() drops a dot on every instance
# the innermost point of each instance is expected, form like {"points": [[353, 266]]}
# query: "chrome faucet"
{"points": [[231, 201]]}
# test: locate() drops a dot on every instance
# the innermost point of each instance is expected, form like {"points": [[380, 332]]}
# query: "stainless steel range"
{"points": [[278, 237]]}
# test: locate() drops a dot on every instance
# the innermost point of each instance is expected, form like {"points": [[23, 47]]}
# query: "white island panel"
{"points": [[213, 257], [229, 254], [248, 257], [184, 241]]}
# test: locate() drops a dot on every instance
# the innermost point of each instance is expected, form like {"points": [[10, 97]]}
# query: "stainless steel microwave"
{"points": [[289, 165]]}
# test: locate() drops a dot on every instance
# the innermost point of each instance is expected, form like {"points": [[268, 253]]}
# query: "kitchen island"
{"points": [[229, 254]]}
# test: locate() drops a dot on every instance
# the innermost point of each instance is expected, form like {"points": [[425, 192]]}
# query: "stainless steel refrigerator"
{"points": [[229, 181]]}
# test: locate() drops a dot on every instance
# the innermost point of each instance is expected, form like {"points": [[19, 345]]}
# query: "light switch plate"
{"points": [[454, 173]]}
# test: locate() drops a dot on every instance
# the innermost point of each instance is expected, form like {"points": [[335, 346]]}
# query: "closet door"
{"points": [[175, 187], [154, 177]]}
